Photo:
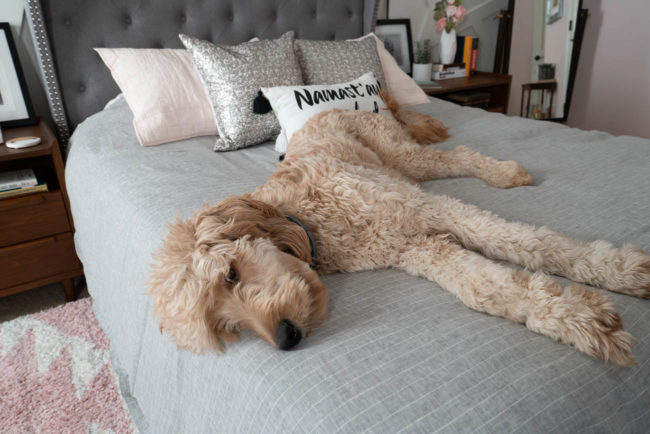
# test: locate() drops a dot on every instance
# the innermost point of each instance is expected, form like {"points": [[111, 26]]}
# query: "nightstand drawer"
{"points": [[30, 217], [37, 259]]}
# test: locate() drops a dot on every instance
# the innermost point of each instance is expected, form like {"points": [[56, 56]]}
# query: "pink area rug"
{"points": [[56, 375]]}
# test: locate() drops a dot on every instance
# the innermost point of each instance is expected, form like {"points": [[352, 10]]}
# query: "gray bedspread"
{"points": [[398, 353]]}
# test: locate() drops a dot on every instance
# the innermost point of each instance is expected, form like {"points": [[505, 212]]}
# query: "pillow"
{"points": [[330, 62], [295, 105], [164, 93], [404, 90], [233, 76]]}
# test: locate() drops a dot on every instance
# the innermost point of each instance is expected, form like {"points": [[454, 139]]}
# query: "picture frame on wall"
{"points": [[396, 36], [15, 105], [553, 10]]}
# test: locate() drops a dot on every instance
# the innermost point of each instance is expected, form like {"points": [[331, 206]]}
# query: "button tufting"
{"points": [[182, 18], [313, 14], [231, 17], [67, 21], [127, 20], [82, 88]]}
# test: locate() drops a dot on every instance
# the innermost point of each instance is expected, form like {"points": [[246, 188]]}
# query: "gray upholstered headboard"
{"points": [[66, 31]]}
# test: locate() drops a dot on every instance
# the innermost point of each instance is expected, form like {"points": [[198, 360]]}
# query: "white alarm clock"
{"points": [[23, 142]]}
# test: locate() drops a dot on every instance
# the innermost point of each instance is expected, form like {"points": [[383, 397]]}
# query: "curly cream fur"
{"points": [[350, 176]]}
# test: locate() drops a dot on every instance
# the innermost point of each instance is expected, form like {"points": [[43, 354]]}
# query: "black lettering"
{"points": [[333, 95], [372, 89], [354, 87], [307, 98]]}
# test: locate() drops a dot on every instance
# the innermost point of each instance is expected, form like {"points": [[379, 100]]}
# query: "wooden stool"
{"points": [[544, 87]]}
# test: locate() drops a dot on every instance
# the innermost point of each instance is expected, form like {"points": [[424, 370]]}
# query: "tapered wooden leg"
{"points": [[68, 287]]}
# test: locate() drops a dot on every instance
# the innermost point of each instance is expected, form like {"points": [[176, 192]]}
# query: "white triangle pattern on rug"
{"points": [[87, 359], [14, 331]]}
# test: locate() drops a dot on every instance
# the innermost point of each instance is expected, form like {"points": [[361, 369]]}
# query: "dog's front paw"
{"points": [[509, 174], [595, 328]]}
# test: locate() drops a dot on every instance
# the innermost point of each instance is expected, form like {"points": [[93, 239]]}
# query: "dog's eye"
{"points": [[231, 276]]}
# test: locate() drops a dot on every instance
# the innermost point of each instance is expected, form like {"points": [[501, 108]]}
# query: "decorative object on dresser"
{"points": [[496, 85], [422, 64], [15, 105], [36, 241], [447, 16], [396, 36]]}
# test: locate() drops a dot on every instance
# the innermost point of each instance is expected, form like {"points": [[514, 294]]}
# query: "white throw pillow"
{"points": [[295, 105]]}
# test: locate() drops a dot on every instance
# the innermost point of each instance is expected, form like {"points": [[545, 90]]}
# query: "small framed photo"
{"points": [[553, 10], [15, 106], [396, 36]]}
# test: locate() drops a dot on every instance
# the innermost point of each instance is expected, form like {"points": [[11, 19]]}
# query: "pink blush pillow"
{"points": [[400, 86], [164, 92]]}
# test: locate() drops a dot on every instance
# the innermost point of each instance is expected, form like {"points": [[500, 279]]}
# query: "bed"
{"points": [[398, 353]]}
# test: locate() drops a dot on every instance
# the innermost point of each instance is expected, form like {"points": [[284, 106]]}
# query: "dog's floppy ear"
{"points": [[242, 215]]}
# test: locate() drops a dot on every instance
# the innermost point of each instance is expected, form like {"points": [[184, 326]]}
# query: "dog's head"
{"points": [[240, 264]]}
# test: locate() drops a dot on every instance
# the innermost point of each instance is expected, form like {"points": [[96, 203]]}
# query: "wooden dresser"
{"points": [[36, 231], [497, 85]]}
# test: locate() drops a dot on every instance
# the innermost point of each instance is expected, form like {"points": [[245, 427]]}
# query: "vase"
{"points": [[422, 71], [447, 47]]}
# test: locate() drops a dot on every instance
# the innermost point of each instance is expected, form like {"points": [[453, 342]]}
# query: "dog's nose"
{"points": [[288, 335]]}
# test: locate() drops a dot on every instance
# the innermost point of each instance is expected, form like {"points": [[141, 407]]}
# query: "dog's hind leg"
{"points": [[625, 269], [424, 163], [576, 316]]}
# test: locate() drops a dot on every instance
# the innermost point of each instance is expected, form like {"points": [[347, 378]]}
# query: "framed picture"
{"points": [[553, 10], [15, 106], [396, 36]]}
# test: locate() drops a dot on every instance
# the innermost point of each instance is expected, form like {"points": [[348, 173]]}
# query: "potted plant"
{"points": [[422, 65], [447, 14]]}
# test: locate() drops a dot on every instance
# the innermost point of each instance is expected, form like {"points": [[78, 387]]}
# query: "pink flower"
{"points": [[460, 13], [451, 11], [451, 2], [442, 22]]}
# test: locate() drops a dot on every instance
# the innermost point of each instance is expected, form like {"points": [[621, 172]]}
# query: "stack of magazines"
{"points": [[19, 183]]}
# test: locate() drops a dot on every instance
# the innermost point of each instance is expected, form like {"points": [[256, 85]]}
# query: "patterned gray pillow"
{"points": [[233, 76], [331, 62]]}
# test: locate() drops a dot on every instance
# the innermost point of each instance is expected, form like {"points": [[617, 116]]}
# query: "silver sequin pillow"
{"points": [[331, 62], [233, 76]]}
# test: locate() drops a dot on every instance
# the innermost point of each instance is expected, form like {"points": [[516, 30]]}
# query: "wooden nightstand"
{"points": [[497, 85], [36, 231]]}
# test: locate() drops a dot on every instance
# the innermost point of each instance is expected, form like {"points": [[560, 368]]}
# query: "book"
{"points": [[474, 59], [447, 67], [442, 75], [17, 179], [467, 53], [460, 49], [38, 188]]}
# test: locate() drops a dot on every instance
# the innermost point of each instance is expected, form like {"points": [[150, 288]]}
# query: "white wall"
{"points": [[612, 88]]}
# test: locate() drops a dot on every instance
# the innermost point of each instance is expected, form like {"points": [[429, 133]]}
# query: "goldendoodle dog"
{"points": [[346, 192]]}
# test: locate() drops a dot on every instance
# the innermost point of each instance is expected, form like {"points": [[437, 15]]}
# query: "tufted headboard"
{"points": [[66, 31]]}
